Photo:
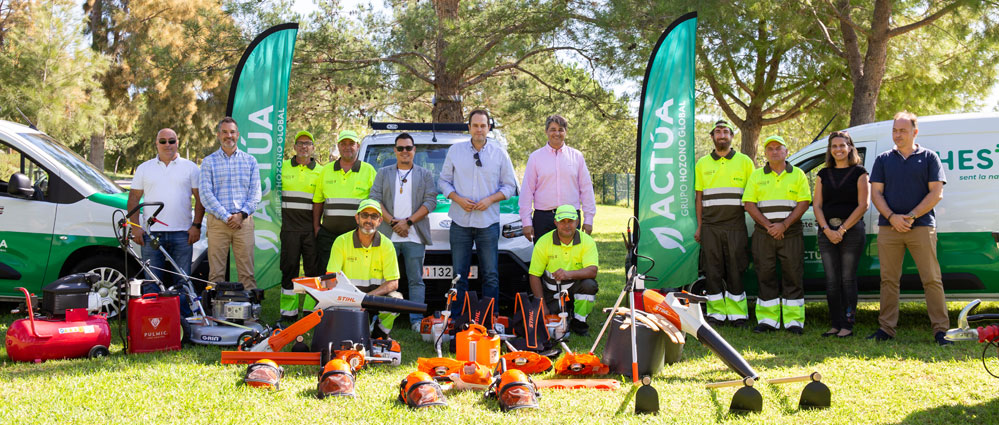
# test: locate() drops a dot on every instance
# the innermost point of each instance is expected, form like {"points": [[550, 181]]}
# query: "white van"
{"points": [[967, 217], [55, 217]]}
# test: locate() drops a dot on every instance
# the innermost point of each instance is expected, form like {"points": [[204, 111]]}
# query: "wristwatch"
{"points": [[911, 215], [196, 225], [409, 222], [823, 228]]}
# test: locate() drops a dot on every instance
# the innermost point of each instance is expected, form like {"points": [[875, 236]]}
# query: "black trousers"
{"points": [[297, 248], [790, 251]]}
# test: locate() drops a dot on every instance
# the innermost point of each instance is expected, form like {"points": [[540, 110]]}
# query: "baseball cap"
{"points": [[347, 134], [722, 123], [304, 133], [566, 211], [369, 203], [777, 139]]}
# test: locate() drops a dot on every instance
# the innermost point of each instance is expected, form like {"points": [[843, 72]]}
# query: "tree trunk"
{"points": [[97, 151], [750, 130], [448, 101], [867, 80]]}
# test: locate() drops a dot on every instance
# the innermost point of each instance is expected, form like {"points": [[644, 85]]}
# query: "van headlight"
{"points": [[513, 229]]}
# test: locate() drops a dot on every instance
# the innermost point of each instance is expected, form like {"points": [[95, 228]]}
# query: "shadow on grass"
{"points": [[985, 413]]}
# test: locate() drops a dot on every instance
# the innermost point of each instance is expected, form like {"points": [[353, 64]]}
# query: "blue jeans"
{"points": [[411, 256], [175, 244], [486, 242], [840, 262]]}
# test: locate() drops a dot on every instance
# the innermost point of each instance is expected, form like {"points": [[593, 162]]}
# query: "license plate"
{"points": [[446, 272]]}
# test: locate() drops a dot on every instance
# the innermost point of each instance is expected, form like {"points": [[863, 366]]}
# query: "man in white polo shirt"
{"points": [[172, 180]]}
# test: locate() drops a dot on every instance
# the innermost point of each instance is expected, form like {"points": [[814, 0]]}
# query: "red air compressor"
{"points": [[66, 330]]}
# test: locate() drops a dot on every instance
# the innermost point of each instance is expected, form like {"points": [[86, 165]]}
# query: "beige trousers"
{"points": [[220, 238], [921, 242]]}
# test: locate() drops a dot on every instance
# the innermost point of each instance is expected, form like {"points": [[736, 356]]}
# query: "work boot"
{"points": [[579, 327], [761, 328], [715, 323], [797, 330], [880, 335], [740, 323], [941, 341]]}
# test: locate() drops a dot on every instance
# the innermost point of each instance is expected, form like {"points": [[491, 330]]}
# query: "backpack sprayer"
{"points": [[234, 312]]}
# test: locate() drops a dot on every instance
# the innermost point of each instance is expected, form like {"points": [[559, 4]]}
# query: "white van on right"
{"points": [[967, 217]]}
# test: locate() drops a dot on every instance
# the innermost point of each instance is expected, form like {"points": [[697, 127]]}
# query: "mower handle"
{"points": [[152, 218]]}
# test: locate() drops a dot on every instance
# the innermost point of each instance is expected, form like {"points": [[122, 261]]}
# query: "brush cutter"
{"points": [[579, 364], [528, 362], [988, 335]]}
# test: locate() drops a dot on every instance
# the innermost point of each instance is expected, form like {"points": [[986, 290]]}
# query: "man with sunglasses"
{"points": [[407, 194], [299, 176], [172, 180], [339, 190], [476, 176], [368, 258]]}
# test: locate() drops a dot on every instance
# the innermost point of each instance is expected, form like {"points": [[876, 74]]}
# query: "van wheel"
{"points": [[111, 285]]}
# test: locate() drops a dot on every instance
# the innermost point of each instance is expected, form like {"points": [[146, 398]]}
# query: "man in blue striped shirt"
{"points": [[230, 192], [476, 176]]}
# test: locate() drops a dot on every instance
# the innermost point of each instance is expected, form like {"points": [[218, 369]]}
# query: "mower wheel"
{"points": [[245, 341], [98, 351], [111, 285]]}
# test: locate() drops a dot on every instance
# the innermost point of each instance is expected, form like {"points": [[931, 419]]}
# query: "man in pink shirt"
{"points": [[556, 175]]}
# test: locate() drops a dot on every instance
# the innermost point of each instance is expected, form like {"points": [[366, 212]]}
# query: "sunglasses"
{"points": [[478, 162], [369, 216], [170, 141], [405, 148]]}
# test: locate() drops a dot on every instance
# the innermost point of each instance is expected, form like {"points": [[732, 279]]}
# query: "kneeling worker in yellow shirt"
{"points": [[570, 256], [368, 258]]}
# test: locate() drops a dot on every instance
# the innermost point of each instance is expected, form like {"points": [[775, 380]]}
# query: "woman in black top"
{"points": [[841, 198]]}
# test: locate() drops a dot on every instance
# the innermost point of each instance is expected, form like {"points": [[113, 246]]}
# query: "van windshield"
{"points": [[430, 157], [75, 163]]}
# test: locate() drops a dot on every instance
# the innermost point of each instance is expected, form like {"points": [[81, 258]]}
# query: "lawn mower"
{"points": [[988, 335], [224, 314]]}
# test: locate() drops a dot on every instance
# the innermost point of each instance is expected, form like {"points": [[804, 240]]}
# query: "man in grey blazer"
{"points": [[407, 193]]}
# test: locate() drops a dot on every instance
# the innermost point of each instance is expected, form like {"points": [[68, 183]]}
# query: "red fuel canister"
{"points": [[154, 324]]}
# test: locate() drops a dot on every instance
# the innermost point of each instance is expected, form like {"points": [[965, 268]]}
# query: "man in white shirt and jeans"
{"points": [[172, 180], [408, 194]]}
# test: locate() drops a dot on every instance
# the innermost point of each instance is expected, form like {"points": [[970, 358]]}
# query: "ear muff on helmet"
{"points": [[420, 390], [264, 374], [515, 390], [337, 380]]}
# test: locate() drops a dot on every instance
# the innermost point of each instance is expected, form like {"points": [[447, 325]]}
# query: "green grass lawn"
{"points": [[909, 380]]}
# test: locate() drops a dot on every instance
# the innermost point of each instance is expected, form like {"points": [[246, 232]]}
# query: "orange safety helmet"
{"points": [[420, 390], [514, 390], [337, 379], [265, 373]]}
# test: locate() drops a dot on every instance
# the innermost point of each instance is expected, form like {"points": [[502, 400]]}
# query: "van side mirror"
{"points": [[20, 186]]}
